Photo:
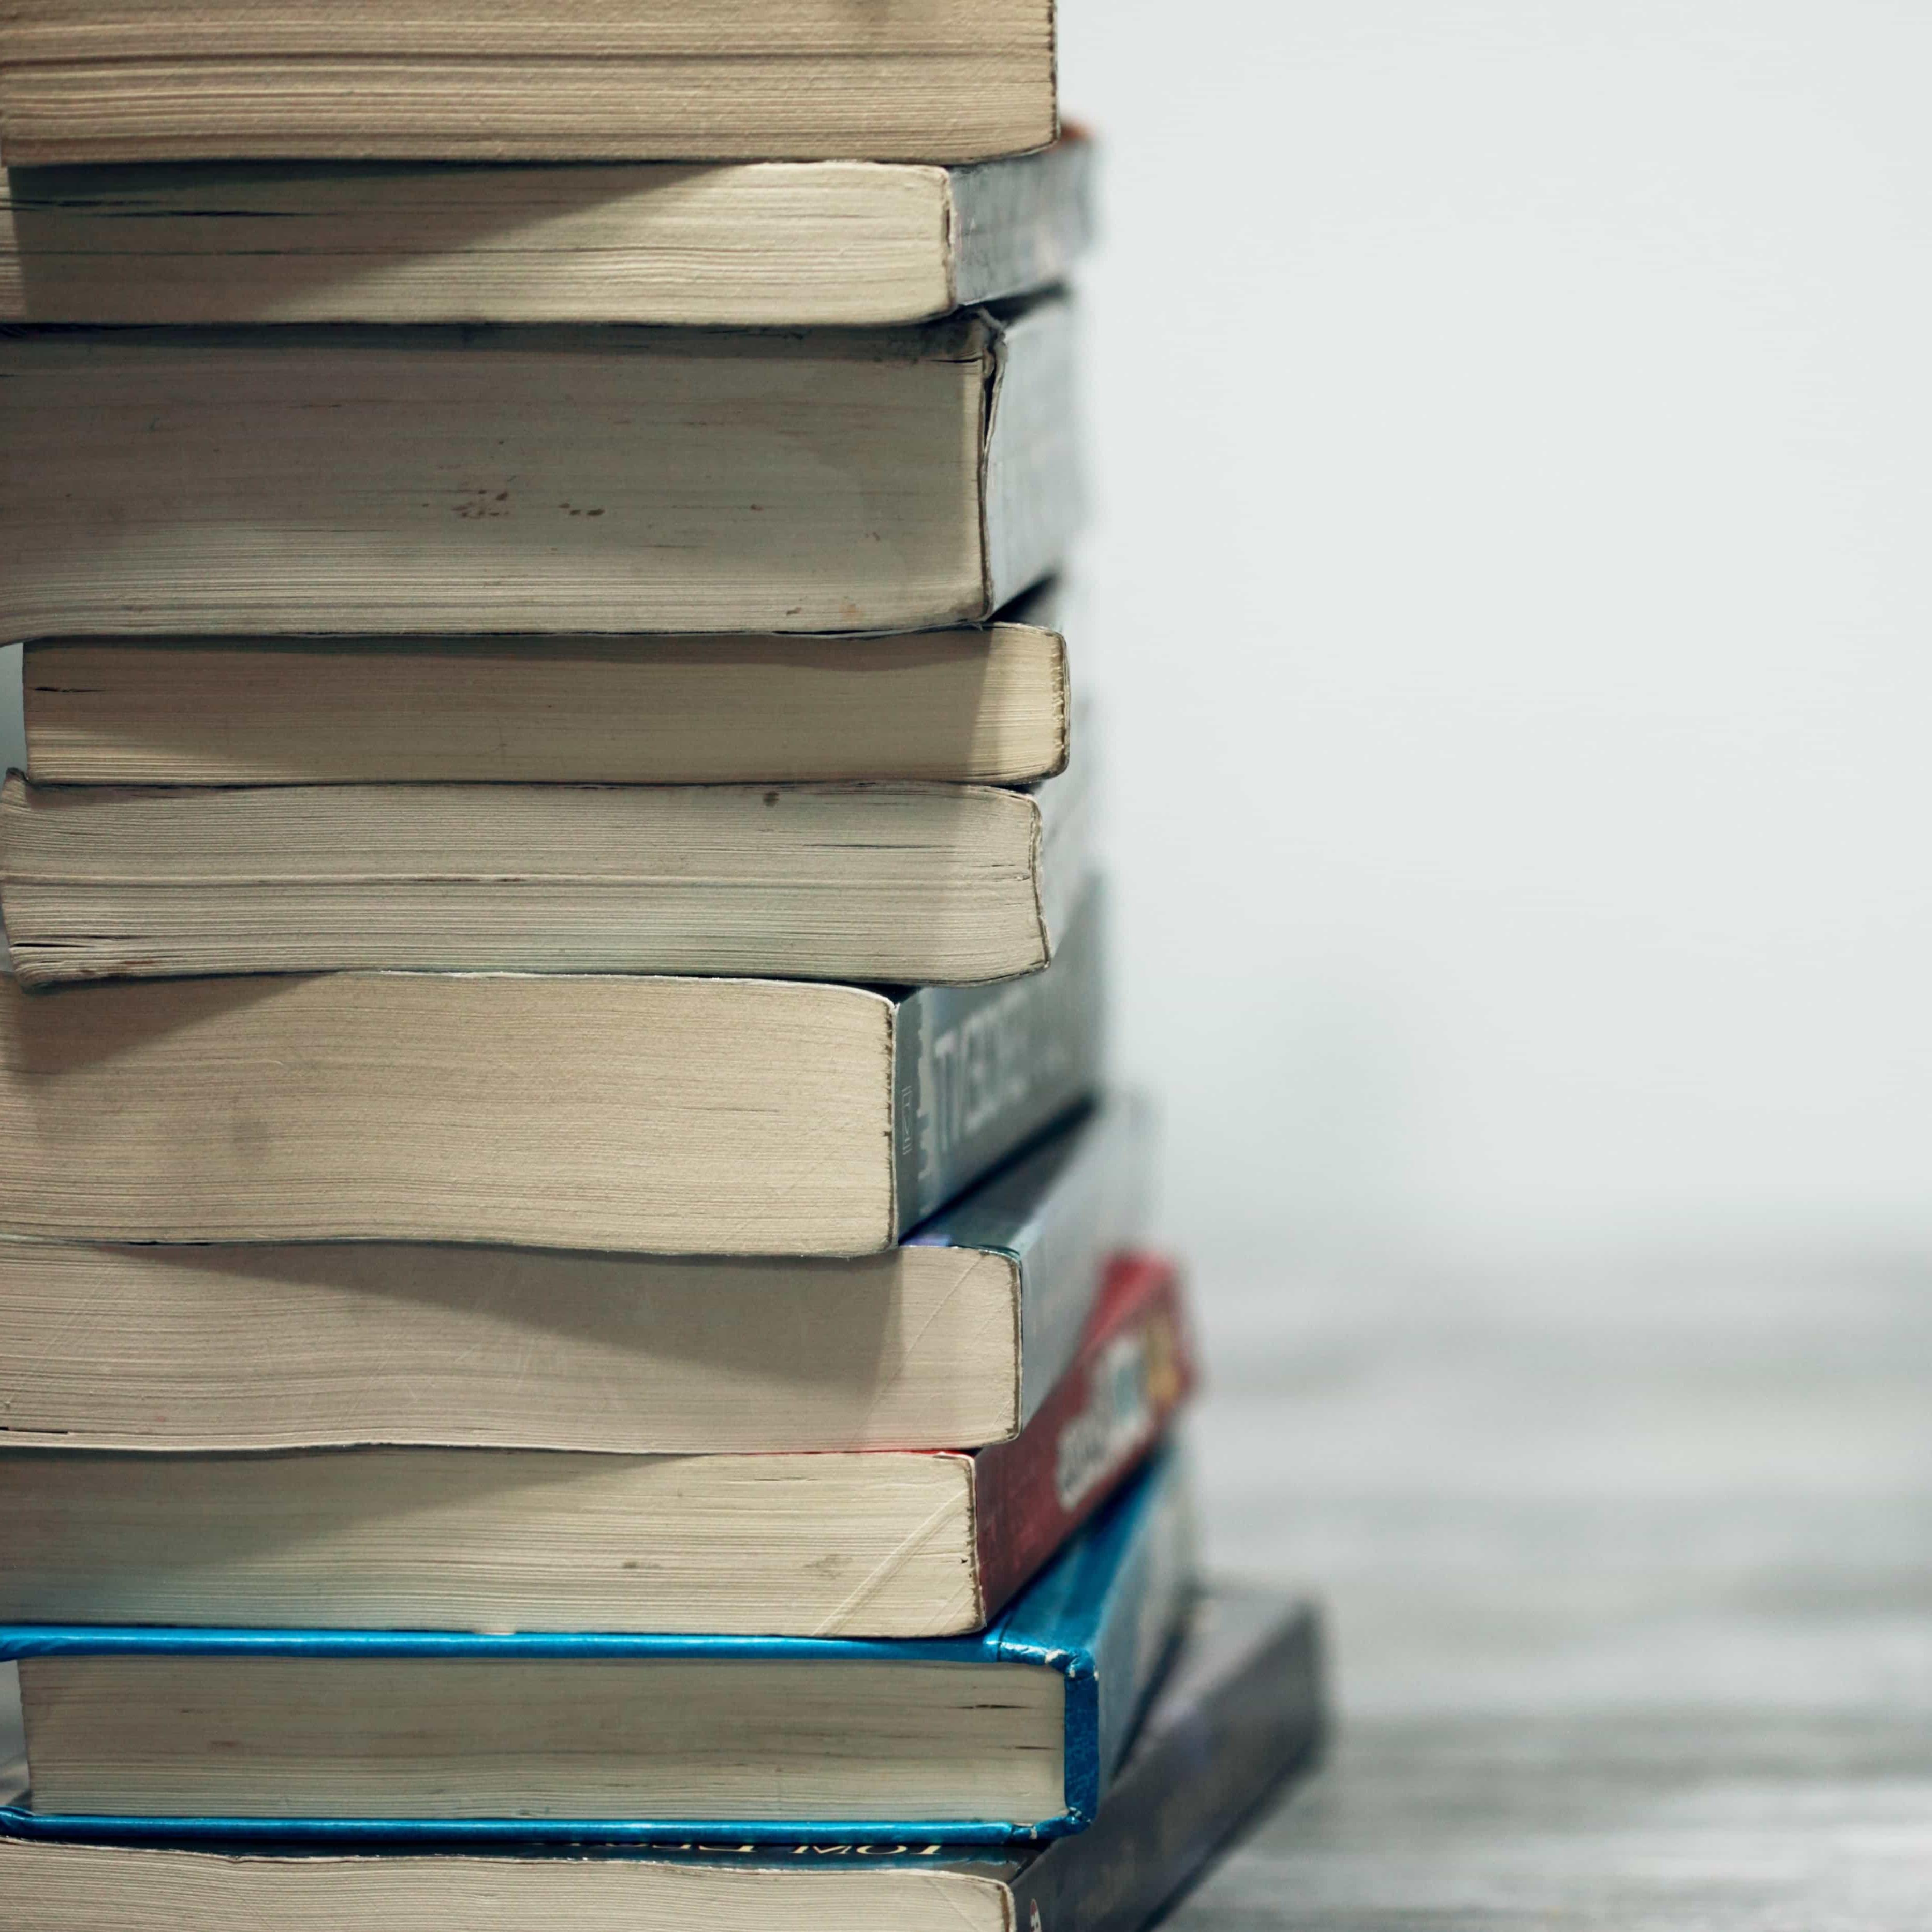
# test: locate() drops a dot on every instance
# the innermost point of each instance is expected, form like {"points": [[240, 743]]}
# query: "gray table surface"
{"points": [[1629, 1574]]}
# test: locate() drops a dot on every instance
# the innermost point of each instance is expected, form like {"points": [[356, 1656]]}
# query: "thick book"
{"points": [[951, 1340], [1013, 1733], [148, 80], [883, 1543], [521, 479], [746, 244], [1240, 1712], [631, 1114], [891, 883], [985, 704]]}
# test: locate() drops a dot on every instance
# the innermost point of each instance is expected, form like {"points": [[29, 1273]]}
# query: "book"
{"points": [[148, 80], [631, 1114], [951, 1340], [1240, 1712], [887, 1542], [520, 479], [743, 244], [972, 705], [1012, 1733], [896, 883]]}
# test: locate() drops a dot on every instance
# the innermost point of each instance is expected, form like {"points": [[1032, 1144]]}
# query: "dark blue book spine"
{"points": [[978, 1071], [1242, 1712]]}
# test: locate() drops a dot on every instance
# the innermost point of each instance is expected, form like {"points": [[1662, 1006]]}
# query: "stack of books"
{"points": [[573, 1344]]}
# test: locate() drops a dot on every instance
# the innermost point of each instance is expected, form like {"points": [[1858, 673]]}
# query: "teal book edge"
{"points": [[1103, 1615], [1239, 1712]]}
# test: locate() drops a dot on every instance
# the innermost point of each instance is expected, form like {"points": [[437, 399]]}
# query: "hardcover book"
{"points": [[887, 1544], [1240, 1712], [169, 1734], [749, 244], [322, 479], [664, 1116], [951, 1340], [146, 80]]}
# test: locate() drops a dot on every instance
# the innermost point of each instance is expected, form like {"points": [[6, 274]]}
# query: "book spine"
{"points": [[1066, 805], [1098, 1209], [1135, 1367], [977, 1071], [1061, 1212], [1033, 479], [1177, 1803], [1021, 223]]}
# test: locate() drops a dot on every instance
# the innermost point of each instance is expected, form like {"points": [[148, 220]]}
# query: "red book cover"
{"points": [[1135, 1367]]}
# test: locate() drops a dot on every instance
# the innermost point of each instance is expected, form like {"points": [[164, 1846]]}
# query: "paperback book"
{"points": [[973, 704], [146, 80], [886, 1543], [320, 479], [951, 1340], [746, 244], [613, 1112]]}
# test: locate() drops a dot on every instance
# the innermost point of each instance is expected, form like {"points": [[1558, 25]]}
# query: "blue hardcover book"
{"points": [[149, 1735], [1239, 1711]]}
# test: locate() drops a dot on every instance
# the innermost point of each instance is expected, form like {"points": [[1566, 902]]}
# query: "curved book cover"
{"points": [[1103, 1617]]}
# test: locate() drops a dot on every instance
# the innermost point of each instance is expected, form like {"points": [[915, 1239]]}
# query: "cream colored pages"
{"points": [[935, 80], [967, 706], [781, 243], [903, 884], [869, 1545], [186, 1348], [56, 1888], [674, 1116], [515, 480], [532, 1738], [733, 244]]}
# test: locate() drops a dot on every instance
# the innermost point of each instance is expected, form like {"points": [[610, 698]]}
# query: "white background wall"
{"points": [[1514, 430], [1514, 425]]}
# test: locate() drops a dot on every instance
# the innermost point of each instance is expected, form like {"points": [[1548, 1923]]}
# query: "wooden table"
{"points": [[1629, 1580]]}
